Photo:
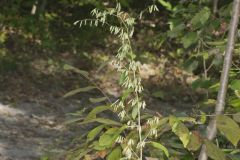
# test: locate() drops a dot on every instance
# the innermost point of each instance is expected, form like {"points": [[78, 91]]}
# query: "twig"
{"points": [[215, 7], [214, 115], [219, 108]]}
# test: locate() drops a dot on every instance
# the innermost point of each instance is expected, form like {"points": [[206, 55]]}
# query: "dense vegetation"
{"points": [[165, 50]]}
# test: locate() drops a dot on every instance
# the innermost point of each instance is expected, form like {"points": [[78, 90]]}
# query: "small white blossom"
{"points": [[120, 139]]}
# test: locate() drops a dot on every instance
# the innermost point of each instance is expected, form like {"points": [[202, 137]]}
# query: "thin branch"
{"points": [[215, 7], [220, 105]]}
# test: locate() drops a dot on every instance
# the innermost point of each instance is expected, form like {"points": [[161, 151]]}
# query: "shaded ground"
{"points": [[33, 115], [30, 130]]}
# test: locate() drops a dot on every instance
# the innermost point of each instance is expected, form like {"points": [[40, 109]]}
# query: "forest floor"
{"points": [[31, 130], [33, 111]]}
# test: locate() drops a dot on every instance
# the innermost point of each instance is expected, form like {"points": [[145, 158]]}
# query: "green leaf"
{"points": [[216, 43], [75, 91], [94, 132], [97, 100], [115, 154], [195, 142], [97, 146], [215, 87], [189, 39], [217, 60], [102, 120], [176, 31], [190, 65], [234, 157], [158, 94], [201, 83], [236, 117], [183, 133], [161, 147], [203, 117], [187, 119], [165, 4], [205, 55], [73, 120], [109, 137], [214, 152], [134, 112], [209, 102], [229, 128], [180, 130], [96, 110], [74, 69], [125, 94], [235, 85], [201, 18], [78, 154], [235, 103]]}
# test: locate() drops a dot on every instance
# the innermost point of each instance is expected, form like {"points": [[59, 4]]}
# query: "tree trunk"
{"points": [[219, 108]]}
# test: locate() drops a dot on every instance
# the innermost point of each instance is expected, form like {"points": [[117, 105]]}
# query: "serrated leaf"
{"points": [[75, 91], [94, 132], [189, 39], [235, 85], [102, 120], [229, 128], [161, 147], [97, 100], [214, 152], [115, 154], [236, 117], [96, 110]]}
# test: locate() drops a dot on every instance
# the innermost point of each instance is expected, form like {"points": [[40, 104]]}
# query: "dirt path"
{"points": [[29, 130]]}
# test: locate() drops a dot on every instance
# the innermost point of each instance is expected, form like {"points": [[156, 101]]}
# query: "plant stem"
{"points": [[220, 105], [139, 125], [140, 133], [215, 7]]}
